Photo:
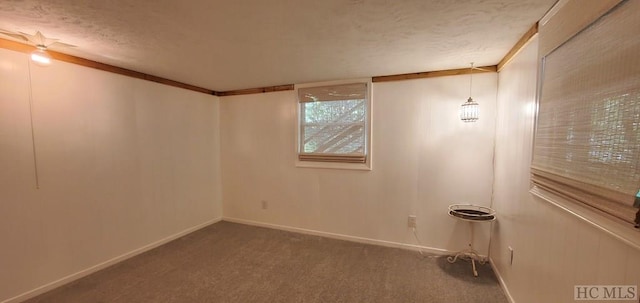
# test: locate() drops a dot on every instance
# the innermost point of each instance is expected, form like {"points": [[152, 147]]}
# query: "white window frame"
{"points": [[368, 127]]}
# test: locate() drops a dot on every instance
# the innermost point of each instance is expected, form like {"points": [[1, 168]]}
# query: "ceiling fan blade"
{"points": [[38, 39], [60, 44], [35, 39], [14, 35]]}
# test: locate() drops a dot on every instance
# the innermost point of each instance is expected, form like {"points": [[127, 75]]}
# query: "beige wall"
{"points": [[424, 158], [553, 250], [122, 164]]}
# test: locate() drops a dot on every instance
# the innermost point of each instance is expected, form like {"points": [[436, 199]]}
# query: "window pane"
{"points": [[335, 127]]}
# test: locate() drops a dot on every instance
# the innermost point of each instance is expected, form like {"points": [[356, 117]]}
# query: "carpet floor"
{"points": [[229, 262]]}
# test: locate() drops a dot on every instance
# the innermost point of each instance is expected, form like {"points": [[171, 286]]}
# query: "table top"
{"points": [[472, 213]]}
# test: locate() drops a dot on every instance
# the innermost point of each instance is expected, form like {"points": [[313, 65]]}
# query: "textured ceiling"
{"points": [[226, 45]]}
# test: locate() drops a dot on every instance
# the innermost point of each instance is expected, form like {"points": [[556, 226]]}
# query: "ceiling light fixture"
{"points": [[40, 56], [470, 110]]}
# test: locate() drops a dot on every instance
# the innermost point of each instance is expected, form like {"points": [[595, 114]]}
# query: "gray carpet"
{"points": [[228, 262]]}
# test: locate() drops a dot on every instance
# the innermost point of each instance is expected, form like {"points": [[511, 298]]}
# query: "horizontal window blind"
{"points": [[587, 141], [353, 91], [333, 123], [332, 158]]}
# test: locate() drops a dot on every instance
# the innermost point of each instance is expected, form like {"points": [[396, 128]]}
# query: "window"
{"points": [[587, 141], [334, 123]]}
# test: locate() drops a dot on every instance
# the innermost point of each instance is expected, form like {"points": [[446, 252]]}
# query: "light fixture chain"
{"points": [[33, 137], [470, 79]]}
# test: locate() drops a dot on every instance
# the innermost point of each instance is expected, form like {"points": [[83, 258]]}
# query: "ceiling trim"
{"points": [[518, 46], [25, 48], [439, 73], [257, 90], [388, 78]]}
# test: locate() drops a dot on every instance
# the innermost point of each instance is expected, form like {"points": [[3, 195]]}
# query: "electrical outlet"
{"points": [[411, 221], [265, 205], [510, 255]]}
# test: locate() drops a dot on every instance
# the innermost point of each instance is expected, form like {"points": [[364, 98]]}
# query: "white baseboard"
{"points": [[85, 272], [413, 247], [90, 270], [501, 281]]}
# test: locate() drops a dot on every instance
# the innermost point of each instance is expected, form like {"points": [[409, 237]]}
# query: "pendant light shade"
{"points": [[470, 110]]}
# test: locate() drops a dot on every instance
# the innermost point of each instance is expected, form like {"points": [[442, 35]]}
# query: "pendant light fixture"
{"points": [[470, 110]]}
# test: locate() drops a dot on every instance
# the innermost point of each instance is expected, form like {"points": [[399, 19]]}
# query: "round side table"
{"points": [[472, 214]]}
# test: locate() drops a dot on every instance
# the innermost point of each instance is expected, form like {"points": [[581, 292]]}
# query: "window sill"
{"points": [[331, 165], [621, 231]]}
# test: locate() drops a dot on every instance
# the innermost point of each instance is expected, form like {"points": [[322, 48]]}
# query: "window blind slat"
{"points": [[353, 91], [332, 158], [603, 199]]}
